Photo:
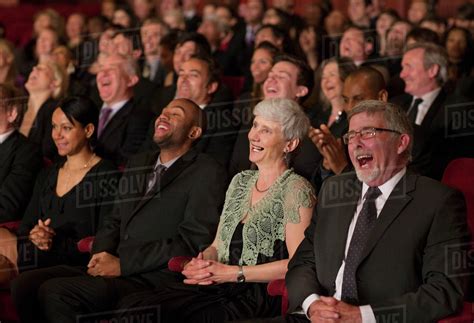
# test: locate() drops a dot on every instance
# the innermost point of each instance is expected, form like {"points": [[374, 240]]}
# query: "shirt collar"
{"points": [[116, 106], [428, 98], [4, 136], [168, 164], [387, 187]]}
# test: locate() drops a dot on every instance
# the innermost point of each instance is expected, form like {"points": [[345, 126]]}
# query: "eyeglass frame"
{"points": [[371, 131]]}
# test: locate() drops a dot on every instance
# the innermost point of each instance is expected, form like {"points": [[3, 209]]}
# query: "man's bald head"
{"points": [[366, 83]]}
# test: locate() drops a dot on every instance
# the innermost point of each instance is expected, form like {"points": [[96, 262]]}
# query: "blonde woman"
{"points": [[46, 84]]}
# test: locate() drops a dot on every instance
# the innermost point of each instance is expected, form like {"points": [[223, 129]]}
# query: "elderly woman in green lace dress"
{"points": [[263, 221]]}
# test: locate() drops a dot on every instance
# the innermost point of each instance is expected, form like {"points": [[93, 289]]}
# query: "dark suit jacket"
{"points": [[40, 133], [124, 133], [20, 161], [179, 218], [435, 139], [408, 266]]}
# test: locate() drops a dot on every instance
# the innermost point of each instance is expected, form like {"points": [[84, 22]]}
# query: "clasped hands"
{"points": [[199, 271], [330, 147], [329, 309], [42, 235], [104, 264]]}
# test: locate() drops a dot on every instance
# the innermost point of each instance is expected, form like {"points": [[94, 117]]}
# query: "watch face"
{"points": [[241, 279]]}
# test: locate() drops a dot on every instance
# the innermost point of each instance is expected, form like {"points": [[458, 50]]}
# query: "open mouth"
{"points": [[364, 160], [256, 148]]}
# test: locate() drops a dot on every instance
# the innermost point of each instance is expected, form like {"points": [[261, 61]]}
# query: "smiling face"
{"points": [[70, 138], [267, 144], [418, 80], [383, 24], [261, 65], [151, 35], [113, 82], [282, 82], [193, 82], [175, 124], [75, 25], [378, 158], [353, 45], [331, 83]]}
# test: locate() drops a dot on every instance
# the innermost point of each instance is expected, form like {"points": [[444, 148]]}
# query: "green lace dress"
{"points": [[260, 240]]}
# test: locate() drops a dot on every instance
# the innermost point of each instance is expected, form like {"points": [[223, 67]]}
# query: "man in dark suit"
{"points": [[429, 108], [151, 32], [122, 123], [383, 241], [20, 160], [170, 207]]}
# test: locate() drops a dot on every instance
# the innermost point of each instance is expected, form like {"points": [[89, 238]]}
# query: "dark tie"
{"points": [[413, 111], [154, 177], [104, 117], [364, 225]]}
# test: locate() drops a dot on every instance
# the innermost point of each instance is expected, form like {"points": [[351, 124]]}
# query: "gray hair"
{"points": [[288, 113], [394, 116], [130, 66], [433, 55]]}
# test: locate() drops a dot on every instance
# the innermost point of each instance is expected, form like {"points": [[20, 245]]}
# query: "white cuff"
{"points": [[308, 301], [367, 314]]}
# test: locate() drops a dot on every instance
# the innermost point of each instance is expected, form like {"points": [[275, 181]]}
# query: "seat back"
{"points": [[460, 175]]}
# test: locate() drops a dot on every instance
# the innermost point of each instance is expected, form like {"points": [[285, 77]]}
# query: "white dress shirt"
{"points": [[4, 136], [386, 189], [115, 108], [424, 106]]}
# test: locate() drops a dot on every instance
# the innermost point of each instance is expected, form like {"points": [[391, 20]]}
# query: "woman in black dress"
{"points": [[69, 199]]}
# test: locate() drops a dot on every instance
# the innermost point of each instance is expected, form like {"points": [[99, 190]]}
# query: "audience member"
{"points": [[361, 273], [20, 159], [143, 9], [8, 70], [69, 199], [426, 102], [419, 10], [122, 125], [151, 33], [171, 209], [46, 85], [385, 20]]}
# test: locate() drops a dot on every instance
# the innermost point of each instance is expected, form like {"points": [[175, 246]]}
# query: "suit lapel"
{"points": [[117, 120], [433, 110], [7, 147], [395, 204], [168, 176]]}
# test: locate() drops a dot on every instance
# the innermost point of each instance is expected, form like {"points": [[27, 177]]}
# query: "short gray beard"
{"points": [[366, 178]]}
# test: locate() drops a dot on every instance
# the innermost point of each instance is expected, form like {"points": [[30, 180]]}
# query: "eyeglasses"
{"points": [[365, 133]]}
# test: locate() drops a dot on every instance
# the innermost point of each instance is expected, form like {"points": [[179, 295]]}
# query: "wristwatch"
{"points": [[241, 276]]}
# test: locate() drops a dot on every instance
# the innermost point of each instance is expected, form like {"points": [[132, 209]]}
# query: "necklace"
{"points": [[68, 171], [261, 191]]}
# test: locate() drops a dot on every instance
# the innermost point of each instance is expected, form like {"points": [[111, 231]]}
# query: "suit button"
{"points": [[125, 237]]}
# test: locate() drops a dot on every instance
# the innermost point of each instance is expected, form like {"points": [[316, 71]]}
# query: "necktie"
{"points": [[413, 111], [146, 71], [154, 177], [364, 225], [104, 117]]}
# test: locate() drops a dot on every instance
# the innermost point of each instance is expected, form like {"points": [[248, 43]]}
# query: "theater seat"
{"points": [[459, 174]]}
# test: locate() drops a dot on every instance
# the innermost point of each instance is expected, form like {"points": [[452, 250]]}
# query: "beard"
{"points": [[367, 175]]}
